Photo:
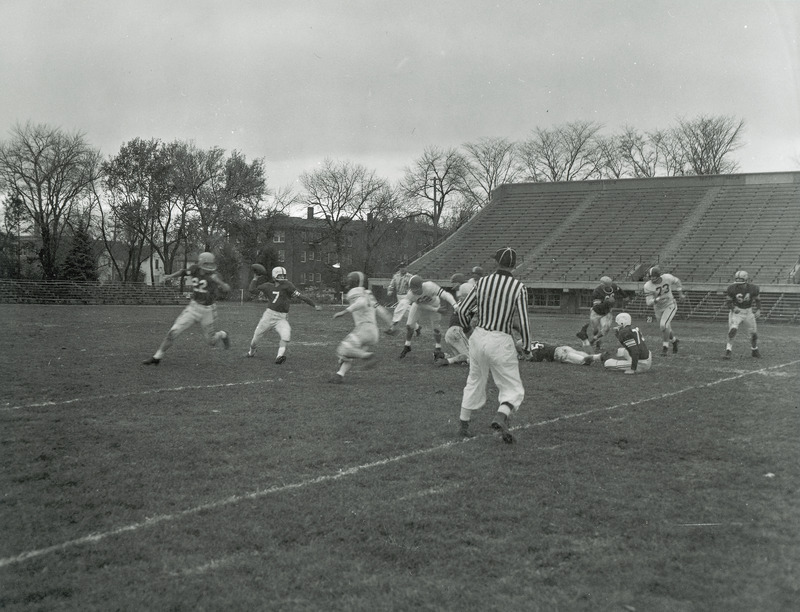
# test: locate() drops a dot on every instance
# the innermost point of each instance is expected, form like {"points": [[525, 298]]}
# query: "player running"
{"points": [[359, 343], [604, 297], [744, 306], [207, 285], [659, 292]]}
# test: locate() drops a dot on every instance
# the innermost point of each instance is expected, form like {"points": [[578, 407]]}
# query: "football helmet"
{"points": [[606, 281], [623, 319], [279, 273], [654, 274], [415, 284], [458, 279], [356, 279], [206, 261], [741, 277]]}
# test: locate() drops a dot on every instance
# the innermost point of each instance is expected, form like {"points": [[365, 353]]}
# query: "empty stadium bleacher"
{"points": [[700, 228]]}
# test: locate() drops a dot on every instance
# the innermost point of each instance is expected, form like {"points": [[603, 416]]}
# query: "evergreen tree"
{"points": [[80, 264]]}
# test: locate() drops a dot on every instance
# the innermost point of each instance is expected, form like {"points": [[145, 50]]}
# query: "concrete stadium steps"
{"points": [[700, 228]]}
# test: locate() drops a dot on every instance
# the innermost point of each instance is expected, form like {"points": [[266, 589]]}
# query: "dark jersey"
{"points": [[279, 294], [204, 290], [542, 352], [604, 298], [633, 340], [742, 295]]}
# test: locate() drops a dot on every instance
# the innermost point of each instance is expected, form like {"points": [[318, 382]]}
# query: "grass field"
{"points": [[215, 482]]}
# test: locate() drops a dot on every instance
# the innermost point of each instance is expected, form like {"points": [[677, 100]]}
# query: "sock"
{"points": [[729, 347], [505, 409], [343, 368], [466, 415], [281, 351]]}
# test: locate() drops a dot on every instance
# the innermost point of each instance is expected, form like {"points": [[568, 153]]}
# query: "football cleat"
{"points": [[756, 354], [727, 354], [500, 423], [664, 351], [675, 345], [250, 353], [463, 430], [281, 359], [438, 354], [390, 332], [336, 379], [151, 361], [406, 350], [226, 341]]}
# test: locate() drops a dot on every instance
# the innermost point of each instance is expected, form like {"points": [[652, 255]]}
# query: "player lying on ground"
{"points": [[541, 351]]}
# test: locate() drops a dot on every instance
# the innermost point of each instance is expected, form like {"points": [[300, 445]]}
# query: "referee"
{"points": [[496, 299]]}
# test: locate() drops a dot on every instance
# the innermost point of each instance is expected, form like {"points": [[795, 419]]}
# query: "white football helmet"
{"points": [[741, 277], [279, 273], [623, 319]]}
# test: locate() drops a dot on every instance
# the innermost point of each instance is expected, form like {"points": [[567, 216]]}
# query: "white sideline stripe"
{"points": [[93, 398], [235, 499], [656, 397]]}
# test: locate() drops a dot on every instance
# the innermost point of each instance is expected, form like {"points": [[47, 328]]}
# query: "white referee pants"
{"points": [[492, 352]]}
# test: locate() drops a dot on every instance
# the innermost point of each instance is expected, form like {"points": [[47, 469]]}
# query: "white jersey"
{"points": [[661, 295], [362, 305], [431, 296]]}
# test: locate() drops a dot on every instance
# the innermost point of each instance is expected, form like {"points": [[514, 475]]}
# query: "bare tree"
{"points": [[377, 219], [431, 180], [138, 194], [51, 171], [490, 162], [342, 191], [565, 153], [706, 143]]}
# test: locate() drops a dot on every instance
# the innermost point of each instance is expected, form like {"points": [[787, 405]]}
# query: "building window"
{"points": [[302, 257], [547, 297], [318, 277], [311, 256], [281, 256], [279, 236]]}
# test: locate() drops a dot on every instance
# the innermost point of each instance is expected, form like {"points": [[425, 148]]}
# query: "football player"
{"points": [[604, 297], [206, 285], [744, 306], [279, 293], [457, 337], [425, 298], [358, 344], [659, 292], [541, 351], [634, 356], [398, 288]]}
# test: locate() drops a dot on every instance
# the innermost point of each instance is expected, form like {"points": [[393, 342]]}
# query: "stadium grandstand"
{"points": [[699, 228]]}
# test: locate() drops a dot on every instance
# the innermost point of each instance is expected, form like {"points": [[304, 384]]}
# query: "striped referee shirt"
{"points": [[497, 298]]}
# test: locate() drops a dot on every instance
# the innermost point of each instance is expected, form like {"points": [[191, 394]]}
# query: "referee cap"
{"points": [[506, 257]]}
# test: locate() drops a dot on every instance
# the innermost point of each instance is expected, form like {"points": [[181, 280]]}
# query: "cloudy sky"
{"points": [[375, 82]]}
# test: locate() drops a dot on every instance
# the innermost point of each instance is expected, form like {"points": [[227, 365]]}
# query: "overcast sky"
{"points": [[375, 82]]}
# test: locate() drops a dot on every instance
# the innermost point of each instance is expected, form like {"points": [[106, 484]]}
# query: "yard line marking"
{"points": [[713, 383], [92, 398], [342, 473], [233, 499]]}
